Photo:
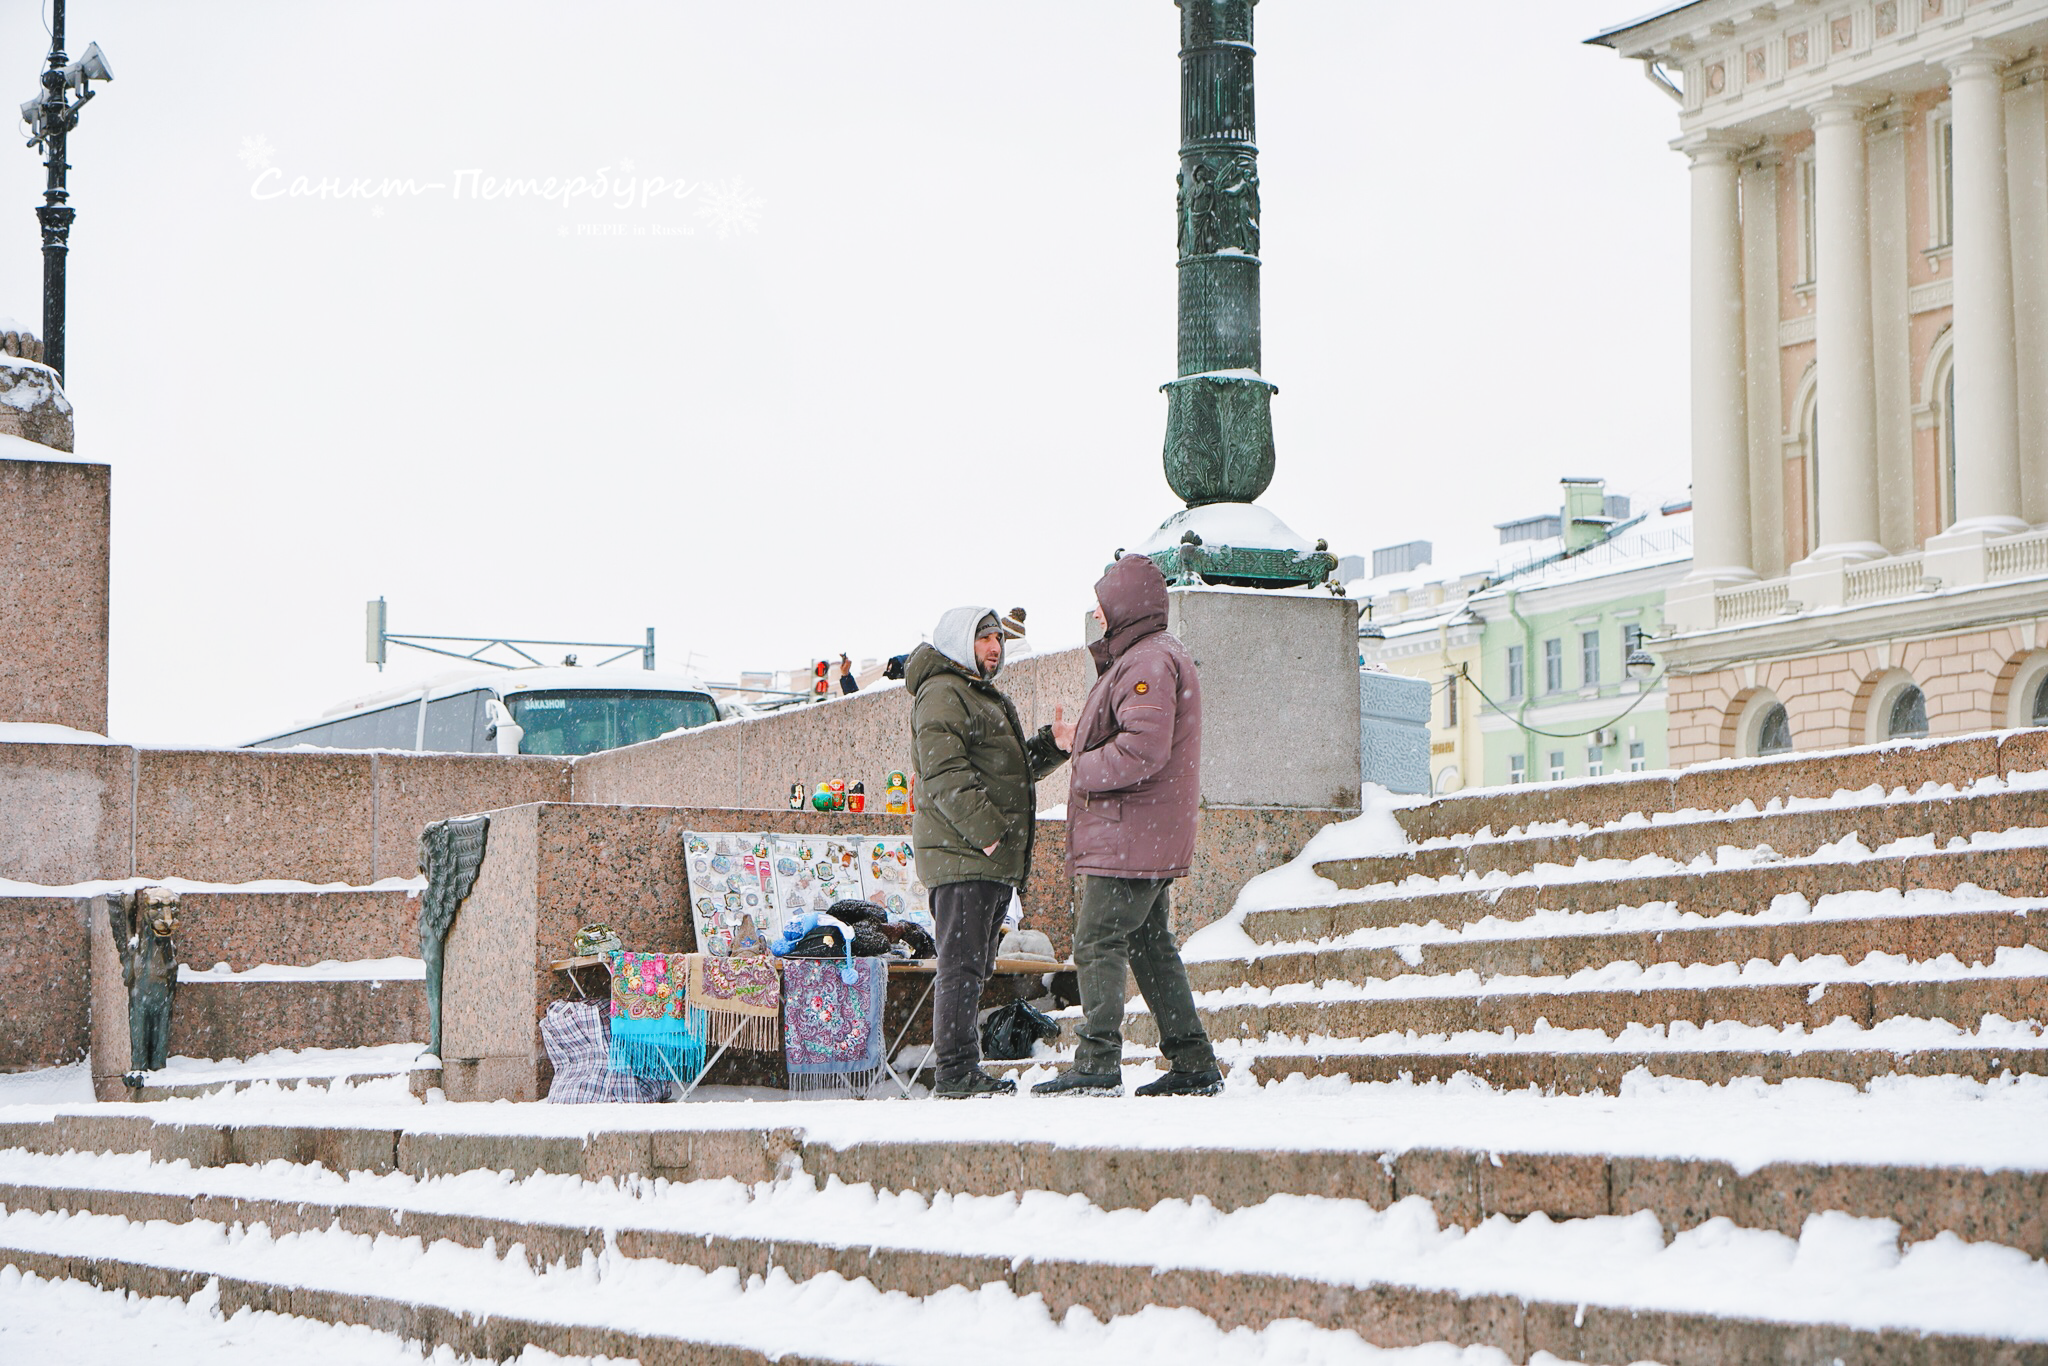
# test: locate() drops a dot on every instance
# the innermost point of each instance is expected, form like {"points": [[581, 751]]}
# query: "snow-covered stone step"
{"points": [[2007, 862], [1795, 829], [1902, 767], [1582, 1060], [1601, 1288], [327, 1006], [1935, 1154], [1917, 926], [557, 1217], [401, 1068], [2014, 990]]}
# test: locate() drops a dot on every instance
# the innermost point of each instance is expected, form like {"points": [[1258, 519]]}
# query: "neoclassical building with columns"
{"points": [[1869, 315]]}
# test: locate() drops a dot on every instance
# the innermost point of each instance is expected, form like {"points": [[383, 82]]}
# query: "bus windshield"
{"points": [[586, 720]]}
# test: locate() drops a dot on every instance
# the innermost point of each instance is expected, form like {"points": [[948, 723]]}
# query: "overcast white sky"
{"points": [[928, 375]]}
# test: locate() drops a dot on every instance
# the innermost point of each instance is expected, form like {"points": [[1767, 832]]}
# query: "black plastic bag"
{"points": [[1009, 1032]]}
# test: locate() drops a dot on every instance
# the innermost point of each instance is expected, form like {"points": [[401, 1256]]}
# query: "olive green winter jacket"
{"points": [[975, 773]]}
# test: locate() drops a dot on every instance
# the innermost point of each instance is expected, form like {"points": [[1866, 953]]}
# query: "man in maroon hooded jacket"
{"points": [[1131, 811]]}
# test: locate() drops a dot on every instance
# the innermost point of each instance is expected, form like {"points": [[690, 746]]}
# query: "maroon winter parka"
{"points": [[1136, 782]]}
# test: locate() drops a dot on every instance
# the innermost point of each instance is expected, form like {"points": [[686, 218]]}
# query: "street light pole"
{"points": [[51, 117], [55, 213]]}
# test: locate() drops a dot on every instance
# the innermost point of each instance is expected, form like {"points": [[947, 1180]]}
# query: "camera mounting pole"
{"points": [[50, 118]]}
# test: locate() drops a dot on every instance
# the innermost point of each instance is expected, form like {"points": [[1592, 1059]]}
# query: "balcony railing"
{"points": [[1751, 602], [2020, 557], [1893, 578]]}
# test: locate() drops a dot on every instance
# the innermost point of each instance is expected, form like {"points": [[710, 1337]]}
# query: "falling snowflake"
{"points": [[626, 165], [731, 207], [376, 211], [257, 154]]}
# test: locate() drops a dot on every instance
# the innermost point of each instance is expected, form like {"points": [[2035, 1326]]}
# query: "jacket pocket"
{"points": [[1105, 808]]}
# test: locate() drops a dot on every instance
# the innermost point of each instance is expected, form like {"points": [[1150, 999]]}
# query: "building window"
{"points": [[1803, 194], [1517, 672], [1941, 180], [1908, 717], [1596, 761], [1557, 765], [2040, 712], [1589, 657], [1518, 770], [1774, 731], [1450, 699], [1553, 666], [1946, 434], [1638, 758]]}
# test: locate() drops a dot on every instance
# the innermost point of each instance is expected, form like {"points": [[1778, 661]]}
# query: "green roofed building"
{"points": [[1529, 658]]}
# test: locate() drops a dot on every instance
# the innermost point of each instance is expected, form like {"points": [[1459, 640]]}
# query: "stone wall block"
{"points": [[241, 1019], [247, 929], [415, 790], [54, 544], [45, 959], [241, 815], [747, 1155], [66, 813]]}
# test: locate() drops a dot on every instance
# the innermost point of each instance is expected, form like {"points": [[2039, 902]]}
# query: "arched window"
{"points": [[1802, 525], [1947, 430], [1938, 400], [1759, 726], [1774, 730], [2040, 711], [1908, 715]]}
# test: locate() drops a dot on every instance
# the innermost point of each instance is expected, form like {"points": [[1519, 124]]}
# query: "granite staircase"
{"points": [[1761, 920], [759, 1243]]}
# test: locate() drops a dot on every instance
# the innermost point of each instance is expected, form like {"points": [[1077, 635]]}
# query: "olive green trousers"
{"points": [[1122, 926]]}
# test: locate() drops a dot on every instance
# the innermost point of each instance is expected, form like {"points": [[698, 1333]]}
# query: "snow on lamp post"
{"points": [[50, 118]]}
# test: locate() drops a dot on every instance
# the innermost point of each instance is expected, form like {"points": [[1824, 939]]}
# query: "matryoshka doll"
{"points": [[822, 799], [857, 797], [838, 786], [896, 794]]}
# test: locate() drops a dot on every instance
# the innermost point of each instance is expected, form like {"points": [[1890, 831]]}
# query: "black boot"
{"points": [[975, 1083], [1179, 1083], [1073, 1083]]}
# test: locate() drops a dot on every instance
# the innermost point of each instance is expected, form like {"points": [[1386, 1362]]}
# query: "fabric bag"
{"points": [[579, 1047]]}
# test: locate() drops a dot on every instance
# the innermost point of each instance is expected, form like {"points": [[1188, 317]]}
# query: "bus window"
{"points": [[389, 728], [586, 720], [455, 724]]}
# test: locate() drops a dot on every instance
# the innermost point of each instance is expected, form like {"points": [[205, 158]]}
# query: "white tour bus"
{"points": [[513, 711]]}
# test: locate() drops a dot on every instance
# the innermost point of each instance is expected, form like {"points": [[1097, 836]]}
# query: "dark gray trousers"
{"points": [[970, 921], [1123, 921]]}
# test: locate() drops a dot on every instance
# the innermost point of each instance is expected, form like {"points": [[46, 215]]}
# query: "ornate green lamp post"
{"points": [[1219, 422]]}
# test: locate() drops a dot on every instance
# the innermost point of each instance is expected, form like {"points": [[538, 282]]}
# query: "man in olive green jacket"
{"points": [[976, 815]]}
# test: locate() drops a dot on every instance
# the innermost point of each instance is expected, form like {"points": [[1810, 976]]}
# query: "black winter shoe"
{"points": [[1179, 1083], [975, 1083], [1072, 1083]]}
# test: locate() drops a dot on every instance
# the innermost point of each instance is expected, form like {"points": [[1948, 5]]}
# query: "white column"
{"points": [[1847, 390], [1766, 373], [2026, 163], [1720, 420], [1891, 334], [1987, 370]]}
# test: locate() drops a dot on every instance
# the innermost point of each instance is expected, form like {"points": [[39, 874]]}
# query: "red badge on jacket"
{"points": [[1142, 687]]}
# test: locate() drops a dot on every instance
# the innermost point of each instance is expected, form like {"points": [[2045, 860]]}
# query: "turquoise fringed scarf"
{"points": [[653, 1034]]}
